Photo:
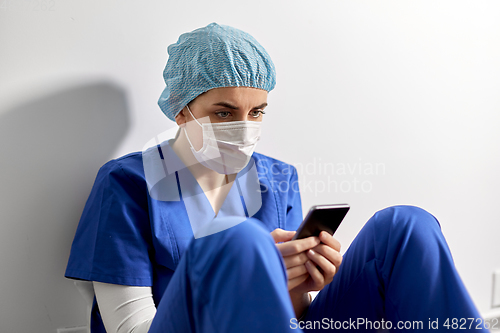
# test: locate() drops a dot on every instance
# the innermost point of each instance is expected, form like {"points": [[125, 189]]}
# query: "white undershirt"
{"points": [[125, 309]]}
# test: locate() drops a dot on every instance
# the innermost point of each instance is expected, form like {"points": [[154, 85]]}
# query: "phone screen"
{"points": [[322, 218]]}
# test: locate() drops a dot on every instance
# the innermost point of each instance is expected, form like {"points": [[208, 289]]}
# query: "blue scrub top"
{"points": [[136, 223]]}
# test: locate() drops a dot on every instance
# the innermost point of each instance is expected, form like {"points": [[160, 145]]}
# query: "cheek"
{"points": [[195, 134]]}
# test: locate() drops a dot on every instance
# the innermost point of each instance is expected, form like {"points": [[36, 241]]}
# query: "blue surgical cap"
{"points": [[213, 57]]}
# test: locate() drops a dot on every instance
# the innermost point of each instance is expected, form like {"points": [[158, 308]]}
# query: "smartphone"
{"points": [[322, 217]]}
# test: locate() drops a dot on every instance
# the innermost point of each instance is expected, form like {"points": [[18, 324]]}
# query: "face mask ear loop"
{"points": [[185, 132], [187, 137], [187, 106]]}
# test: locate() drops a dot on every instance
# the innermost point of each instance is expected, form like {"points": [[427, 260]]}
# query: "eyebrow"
{"points": [[231, 106]]}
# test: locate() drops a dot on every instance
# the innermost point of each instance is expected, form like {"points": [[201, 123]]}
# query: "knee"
{"points": [[405, 221], [402, 216], [249, 235]]}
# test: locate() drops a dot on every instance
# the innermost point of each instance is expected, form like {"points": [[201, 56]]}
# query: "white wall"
{"points": [[410, 87]]}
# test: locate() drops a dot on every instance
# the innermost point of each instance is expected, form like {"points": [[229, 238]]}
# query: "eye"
{"points": [[223, 114], [256, 113]]}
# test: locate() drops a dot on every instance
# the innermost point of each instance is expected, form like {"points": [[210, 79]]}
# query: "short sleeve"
{"points": [[113, 239]]}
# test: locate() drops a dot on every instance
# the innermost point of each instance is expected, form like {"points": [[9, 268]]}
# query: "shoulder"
{"points": [[272, 167], [125, 169]]}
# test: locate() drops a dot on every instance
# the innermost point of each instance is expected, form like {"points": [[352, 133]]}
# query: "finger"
{"points": [[326, 266], [297, 246], [280, 235], [329, 240], [330, 254], [296, 271], [295, 260], [297, 281], [316, 276]]}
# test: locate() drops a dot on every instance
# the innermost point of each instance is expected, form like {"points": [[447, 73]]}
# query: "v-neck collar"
{"points": [[243, 199]]}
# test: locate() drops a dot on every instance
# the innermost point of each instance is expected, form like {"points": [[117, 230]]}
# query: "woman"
{"points": [[194, 235]]}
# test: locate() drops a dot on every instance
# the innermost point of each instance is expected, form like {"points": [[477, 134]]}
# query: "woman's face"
{"points": [[226, 104]]}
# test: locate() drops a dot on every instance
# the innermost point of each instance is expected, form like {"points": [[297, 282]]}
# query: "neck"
{"points": [[207, 178]]}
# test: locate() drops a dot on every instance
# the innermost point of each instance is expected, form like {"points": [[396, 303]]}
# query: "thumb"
{"points": [[280, 235]]}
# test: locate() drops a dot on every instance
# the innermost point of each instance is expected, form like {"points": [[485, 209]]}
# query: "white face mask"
{"points": [[227, 146]]}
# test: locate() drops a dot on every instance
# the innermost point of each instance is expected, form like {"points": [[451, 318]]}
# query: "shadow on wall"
{"points": [[51, 149]]}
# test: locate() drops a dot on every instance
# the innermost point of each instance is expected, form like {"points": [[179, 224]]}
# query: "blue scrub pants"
{"points": [[398, 272]]}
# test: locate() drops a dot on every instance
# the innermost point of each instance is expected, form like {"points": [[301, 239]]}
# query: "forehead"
{"points": [[238, 95]]}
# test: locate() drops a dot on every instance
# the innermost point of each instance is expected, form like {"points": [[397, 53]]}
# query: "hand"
{"points": [[303, 260], [294, 255], [305, 257], [325, 260]]}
